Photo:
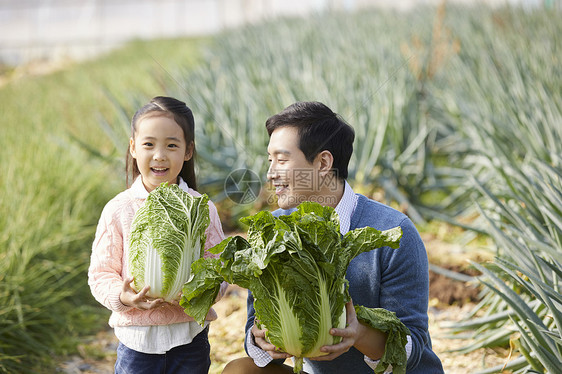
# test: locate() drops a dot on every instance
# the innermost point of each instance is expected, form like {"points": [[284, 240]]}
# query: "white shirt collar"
{"points": [[346, 207], [139, 191]]}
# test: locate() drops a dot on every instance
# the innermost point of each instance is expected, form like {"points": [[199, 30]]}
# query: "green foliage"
{"points": [[526, 278], [348, 61], [510, 115], [48, 205], [455, 135], [500, 97], [456, 111], [258, 70], [52, 193], [295, 267]]}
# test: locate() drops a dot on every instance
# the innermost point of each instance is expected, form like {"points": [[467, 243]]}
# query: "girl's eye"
{"points": [[173, 145], [147, 144]]}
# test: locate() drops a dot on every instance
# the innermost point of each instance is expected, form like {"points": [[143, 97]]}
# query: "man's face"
{"points": [[290, 173]]}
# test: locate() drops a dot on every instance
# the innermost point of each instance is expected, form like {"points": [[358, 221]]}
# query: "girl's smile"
{"points": [[159, 171]]}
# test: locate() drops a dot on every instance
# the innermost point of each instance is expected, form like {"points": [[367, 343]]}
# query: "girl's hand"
{"points": [[259, 338], [138, 300]]}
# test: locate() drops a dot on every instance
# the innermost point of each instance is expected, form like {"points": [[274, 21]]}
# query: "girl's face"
{"points": [[160, 149]]}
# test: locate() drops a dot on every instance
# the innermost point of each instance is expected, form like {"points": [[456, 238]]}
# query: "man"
{"points": [[309, 150]]}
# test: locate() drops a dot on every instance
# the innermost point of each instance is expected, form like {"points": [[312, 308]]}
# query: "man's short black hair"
{"points": [[319, 129]]}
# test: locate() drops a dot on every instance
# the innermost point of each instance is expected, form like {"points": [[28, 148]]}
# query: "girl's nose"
{"points": [[159, 155]]}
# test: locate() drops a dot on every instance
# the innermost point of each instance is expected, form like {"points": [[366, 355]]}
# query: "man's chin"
{"points": [[286, 202]]}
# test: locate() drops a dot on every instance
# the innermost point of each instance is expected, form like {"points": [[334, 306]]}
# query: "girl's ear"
{"points": [[189, 151], [132, 150], [325, 160]]}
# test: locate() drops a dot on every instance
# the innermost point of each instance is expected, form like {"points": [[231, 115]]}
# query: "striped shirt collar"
{"points": [[346, 207]]}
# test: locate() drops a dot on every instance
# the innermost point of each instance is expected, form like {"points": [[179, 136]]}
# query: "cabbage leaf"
{"points": [[386, 321], [295, 267], [167, 236]]}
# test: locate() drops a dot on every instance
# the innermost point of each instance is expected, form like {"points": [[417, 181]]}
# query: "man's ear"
{"points": [[325, 160], [189, 151], [132, 150]]}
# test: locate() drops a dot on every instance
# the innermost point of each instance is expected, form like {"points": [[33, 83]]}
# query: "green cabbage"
{"points": [[295, 267], [167, 236]]}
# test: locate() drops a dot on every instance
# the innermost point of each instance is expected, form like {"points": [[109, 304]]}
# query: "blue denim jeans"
{"points": [[192, 358]]}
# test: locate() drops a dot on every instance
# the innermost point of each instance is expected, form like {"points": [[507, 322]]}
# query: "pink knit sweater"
{"points": [[108, 264]]}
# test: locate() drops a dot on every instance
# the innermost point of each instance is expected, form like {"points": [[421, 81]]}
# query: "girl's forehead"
{"points": [[156, 126], [155, 114]]}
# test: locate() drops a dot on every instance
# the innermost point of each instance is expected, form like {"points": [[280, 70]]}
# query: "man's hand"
{"points": [[371, 342], [259, 339], [349, 336], [138, 300]]}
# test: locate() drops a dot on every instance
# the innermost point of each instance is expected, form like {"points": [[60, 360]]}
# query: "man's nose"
{"points": [[272, 172]]}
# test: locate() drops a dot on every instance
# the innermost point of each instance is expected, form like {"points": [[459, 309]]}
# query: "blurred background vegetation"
{"points": [[458, 116]]}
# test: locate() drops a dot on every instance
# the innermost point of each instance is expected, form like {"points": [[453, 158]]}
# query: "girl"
{"points": [[154, 336]]}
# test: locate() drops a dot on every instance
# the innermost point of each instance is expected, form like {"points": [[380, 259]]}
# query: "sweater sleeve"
{"points": [[405, 287], [214, 232], [215, 235], [105, 271]]}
